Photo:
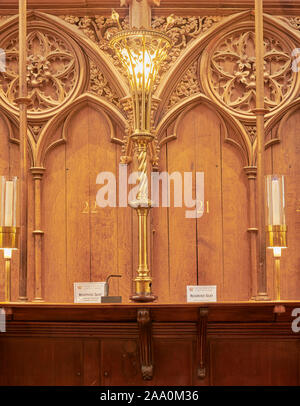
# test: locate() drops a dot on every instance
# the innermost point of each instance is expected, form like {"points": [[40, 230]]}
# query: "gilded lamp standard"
{"points": [[141, 52]]}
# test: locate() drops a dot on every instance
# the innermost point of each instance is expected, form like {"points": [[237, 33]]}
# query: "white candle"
{"points": [[276, 202], [9, 188]]}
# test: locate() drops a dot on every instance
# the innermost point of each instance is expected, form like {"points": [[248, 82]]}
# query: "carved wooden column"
{"points": [[201, 343], [37, 174], [145, 343], [251, 172], [23, 101], [260, 112]]}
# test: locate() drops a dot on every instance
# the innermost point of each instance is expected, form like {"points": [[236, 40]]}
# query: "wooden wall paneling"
{"points": [[103, 221], [182, 231], [77, 194], [124, 241], [286, 162], [160, 246], [247, 362], [206, 126], [54, 225], [235, 207]]}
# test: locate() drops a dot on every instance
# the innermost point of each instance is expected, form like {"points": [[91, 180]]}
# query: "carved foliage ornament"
{"points": [[187, 86], [52, 70], [232, 70], [182, 30]]}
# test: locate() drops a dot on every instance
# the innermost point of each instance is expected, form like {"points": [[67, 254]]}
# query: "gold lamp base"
{"points": [[143, 285]]}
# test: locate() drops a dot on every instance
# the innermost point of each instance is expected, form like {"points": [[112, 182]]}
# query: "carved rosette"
{"points": [[53, 73], [231, 71]]}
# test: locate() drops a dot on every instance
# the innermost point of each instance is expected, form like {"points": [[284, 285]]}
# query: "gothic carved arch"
{"points": [[280, 118], [112, 116], [11, 122], [175, 114]]}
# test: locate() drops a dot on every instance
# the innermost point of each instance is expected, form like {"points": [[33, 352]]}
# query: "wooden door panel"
{"points": [[256, 362]]}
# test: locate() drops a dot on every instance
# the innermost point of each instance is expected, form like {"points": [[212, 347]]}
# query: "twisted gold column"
{"points": [[142, 205]]}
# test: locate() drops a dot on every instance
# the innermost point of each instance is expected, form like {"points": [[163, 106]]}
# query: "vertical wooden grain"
{"points": [[236, 252], [77, 194], [124, 242], [103, 223], [182, 231], [54, 222], [160, 248], [210, 227]]}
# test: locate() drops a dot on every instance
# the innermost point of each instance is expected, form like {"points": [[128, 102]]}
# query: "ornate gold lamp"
{"points": [[276, 233], [141, 52], [9, 225]]}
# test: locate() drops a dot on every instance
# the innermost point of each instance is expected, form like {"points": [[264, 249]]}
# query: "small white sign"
{"points": [[88, 292], [202, 293]]}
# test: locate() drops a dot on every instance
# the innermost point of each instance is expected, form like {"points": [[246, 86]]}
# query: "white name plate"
{"points": [[88, 292], [201, 293]]}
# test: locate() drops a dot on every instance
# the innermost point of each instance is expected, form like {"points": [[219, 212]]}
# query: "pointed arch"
{"points": [[179, 109], [109, 111]]}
